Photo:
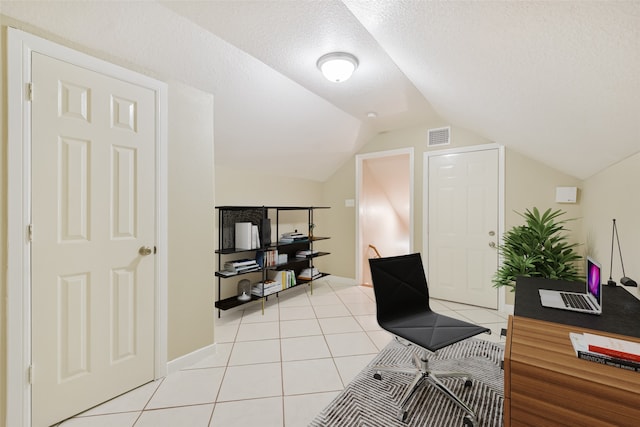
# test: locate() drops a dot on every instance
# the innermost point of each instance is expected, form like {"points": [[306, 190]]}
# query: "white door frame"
{"points": [[425, 199], [20, 45], [360, 158]]}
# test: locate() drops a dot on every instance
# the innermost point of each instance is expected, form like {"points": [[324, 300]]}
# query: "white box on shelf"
{"points": [[243, 235]]}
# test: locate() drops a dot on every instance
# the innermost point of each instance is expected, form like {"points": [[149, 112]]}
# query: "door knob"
{"points": [[145, 250], [492, 244]]}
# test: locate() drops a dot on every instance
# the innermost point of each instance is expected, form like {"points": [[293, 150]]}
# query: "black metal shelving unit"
{"points": [[228, 216]]}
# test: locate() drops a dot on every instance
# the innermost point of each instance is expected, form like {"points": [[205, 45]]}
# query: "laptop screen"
{"points": [[593, 279]]}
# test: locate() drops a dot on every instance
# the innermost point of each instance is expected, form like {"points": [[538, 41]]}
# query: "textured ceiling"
{"points": [[557, 81]]}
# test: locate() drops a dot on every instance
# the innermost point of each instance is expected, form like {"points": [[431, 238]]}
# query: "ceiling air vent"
{"points": [[439, 136]]}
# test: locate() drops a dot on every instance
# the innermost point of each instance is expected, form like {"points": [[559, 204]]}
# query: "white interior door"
{"points": [[93, 199], [463, 226]]}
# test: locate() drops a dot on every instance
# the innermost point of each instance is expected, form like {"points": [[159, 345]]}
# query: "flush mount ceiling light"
{"points": [[337, 66]]}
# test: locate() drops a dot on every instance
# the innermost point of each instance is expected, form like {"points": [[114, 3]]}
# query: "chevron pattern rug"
{"points": [[373, 403]]}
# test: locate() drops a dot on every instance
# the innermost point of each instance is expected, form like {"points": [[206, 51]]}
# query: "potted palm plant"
{"points": [[539, 248]]}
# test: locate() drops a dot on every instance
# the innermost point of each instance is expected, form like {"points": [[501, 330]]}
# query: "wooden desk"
{"points": [[547, 385]]}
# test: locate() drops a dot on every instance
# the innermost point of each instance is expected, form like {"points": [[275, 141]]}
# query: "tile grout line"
{"points": [[344, 296]]}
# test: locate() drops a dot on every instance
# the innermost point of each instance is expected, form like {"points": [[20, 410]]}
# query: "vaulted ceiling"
{"points": [[558, 81]]}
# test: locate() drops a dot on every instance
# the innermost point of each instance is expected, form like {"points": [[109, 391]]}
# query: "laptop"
{"points": [[588, 302]]}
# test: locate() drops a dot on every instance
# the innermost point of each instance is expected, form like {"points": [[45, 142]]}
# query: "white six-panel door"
{"points": [[93, 198], [463, 226]]}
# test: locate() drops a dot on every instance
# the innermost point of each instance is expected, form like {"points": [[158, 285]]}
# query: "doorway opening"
{"points": [[384, 202]]}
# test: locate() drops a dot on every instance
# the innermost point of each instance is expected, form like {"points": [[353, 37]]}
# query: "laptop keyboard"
{"points": [[575, 301]]}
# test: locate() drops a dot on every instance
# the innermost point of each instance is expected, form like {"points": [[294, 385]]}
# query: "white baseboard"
{"points": [[190, 359]]}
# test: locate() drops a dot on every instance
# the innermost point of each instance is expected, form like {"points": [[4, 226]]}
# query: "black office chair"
{"points": [[402, 302]]}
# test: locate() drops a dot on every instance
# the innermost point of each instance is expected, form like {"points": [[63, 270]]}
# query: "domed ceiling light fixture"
{"points": [[337, 66]]}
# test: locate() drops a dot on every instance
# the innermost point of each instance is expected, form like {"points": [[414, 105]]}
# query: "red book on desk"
{"points": [[613, 347]]}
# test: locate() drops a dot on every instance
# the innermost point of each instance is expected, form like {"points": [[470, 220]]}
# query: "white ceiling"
{"points": [[558, 81]]}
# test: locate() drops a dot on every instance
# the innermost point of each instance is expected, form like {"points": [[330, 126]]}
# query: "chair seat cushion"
{"points": [[431, 330]]}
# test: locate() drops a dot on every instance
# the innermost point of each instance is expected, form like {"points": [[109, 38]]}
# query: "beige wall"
{"points": [[191, 222], [613, 193], [237, 187], [342, 184], [190, 216], [529, 184], [341, 220], [3, 224]]}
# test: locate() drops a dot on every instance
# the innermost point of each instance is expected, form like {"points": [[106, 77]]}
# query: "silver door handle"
{"points": [[492, 244], [145, 250]]}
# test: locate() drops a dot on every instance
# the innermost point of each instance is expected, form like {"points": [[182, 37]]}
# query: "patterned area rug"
{"points": [[367, 402]]}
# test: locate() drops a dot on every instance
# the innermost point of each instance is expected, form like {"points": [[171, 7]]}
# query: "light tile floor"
{"points": [[279, 369]]}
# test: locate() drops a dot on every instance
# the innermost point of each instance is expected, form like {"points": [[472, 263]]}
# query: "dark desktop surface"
{"points": [[620, 309]]}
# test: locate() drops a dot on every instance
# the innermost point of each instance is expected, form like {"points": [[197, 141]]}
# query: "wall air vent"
{"points": [[439, 136]]}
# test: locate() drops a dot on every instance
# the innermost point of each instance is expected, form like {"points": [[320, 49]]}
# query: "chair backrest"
{"points": [[400, 286]]}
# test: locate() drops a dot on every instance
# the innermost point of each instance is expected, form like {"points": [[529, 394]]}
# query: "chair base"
{"points": [[424, 374]]}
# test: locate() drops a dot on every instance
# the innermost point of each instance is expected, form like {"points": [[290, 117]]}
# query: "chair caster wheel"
{"points": [[402, 416], [377, 376], [468, 383], [468, 421]]}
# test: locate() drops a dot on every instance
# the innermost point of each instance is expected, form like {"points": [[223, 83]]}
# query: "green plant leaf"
{"points": [[539, 248]]}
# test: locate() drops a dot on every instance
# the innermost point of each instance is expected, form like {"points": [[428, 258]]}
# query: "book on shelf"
{"points": [[227, 273], [293, 237], [286, 278], [309, 274], [260, 258], [613, 347], [267, 258], [255, 237], [305, 253], [240, 266], [248, 269], [581, 348], [230, 270], [268, 287], [240, 262]]}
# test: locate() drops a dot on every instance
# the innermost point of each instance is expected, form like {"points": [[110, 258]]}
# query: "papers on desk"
{"points": [[607, 351]]}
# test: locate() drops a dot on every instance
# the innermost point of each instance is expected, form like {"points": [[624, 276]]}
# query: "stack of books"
{"points": [[607, 351], [269, 287], [305, 253], [309, 274], [293, 237], [239, 266]]}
